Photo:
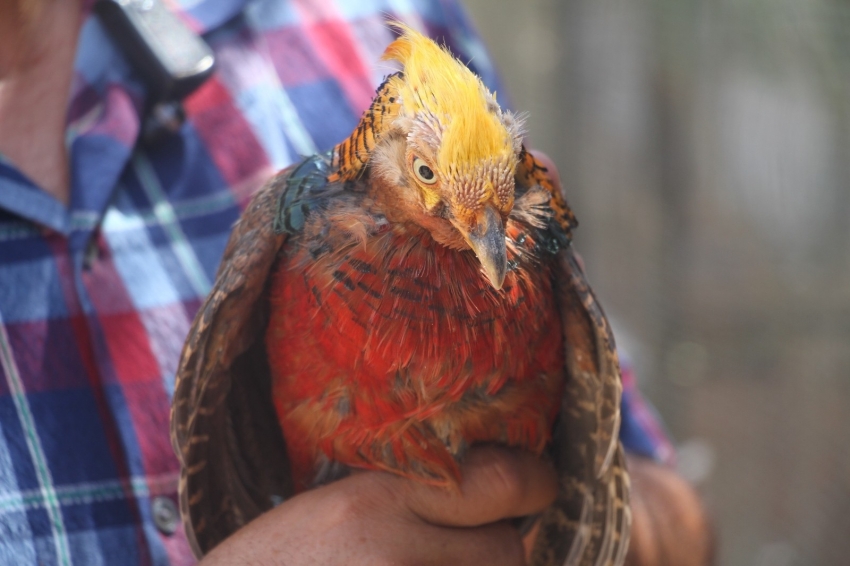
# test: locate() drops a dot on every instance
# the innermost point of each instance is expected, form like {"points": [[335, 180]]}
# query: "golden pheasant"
{"points": [[392, 302]]}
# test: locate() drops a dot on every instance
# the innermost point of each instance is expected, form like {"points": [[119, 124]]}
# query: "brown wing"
{"points": [[222, 418], [590, 522]]}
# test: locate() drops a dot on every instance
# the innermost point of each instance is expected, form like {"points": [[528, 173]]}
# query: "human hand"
{"points": [[375, 518]]}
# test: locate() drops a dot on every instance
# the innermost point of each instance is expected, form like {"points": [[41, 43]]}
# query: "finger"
{"points": [[497, 484]]}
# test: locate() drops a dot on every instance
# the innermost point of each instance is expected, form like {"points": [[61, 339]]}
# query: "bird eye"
{"points": [[423, 172]]}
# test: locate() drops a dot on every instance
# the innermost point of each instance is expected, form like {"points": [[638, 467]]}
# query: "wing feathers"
{"points": [[219, 418], [590, 521]]}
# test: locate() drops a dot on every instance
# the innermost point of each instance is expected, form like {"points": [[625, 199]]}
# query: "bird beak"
{"points": [[487, 240]]}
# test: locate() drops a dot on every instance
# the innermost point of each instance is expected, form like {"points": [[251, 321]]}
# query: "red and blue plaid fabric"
{"points": [[96, 297]]}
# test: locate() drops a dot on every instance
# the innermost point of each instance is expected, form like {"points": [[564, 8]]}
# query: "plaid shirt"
{"points": [[96, 297]]}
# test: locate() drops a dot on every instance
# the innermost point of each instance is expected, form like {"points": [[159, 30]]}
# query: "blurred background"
{"points": [[705, 147]]}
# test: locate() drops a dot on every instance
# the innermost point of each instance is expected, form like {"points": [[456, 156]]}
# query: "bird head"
{"points": [[452, 156]]}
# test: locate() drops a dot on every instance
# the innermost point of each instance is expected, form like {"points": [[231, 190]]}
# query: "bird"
{"points": [[394, 301]]}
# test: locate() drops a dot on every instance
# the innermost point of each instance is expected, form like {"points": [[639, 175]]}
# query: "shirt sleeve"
{"points": [[641, 429]]}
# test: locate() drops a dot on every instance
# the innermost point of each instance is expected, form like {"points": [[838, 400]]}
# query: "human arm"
{"points": [[375, 518]]}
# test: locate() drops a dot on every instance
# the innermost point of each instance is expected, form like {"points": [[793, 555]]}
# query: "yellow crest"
{"points": [[440, 87]]}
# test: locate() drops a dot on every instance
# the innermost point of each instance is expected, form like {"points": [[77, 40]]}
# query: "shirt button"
{"points": [[166, 517]]}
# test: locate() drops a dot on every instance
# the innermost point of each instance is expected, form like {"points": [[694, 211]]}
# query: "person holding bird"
{"points": [[111, 242], [395, 332]]}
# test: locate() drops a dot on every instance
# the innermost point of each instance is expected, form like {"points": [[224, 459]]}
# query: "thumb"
{"points": [[497, 484]]}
